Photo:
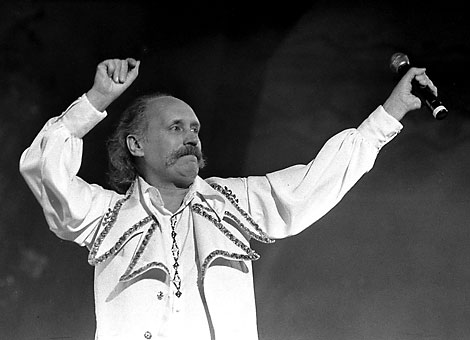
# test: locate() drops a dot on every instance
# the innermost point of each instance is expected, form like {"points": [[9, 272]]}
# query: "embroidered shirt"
{"points": [[185, 315], [281, 203]]}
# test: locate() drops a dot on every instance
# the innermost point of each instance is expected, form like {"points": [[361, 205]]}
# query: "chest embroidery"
{"points": [[109, 219]]}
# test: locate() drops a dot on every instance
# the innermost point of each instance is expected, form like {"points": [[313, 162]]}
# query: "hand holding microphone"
{"points": [[421, 86]]}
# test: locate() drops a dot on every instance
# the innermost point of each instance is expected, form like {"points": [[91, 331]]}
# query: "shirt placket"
{"points": [[175, 300], [175, 251], [176, 293]]}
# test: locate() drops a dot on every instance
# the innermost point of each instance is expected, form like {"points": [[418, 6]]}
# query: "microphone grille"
{"points": [[397, 60]]}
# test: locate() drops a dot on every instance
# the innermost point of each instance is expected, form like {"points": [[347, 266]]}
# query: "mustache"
{"points": [[186, 150]]}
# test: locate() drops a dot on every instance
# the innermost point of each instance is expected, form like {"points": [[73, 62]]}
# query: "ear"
{"points": [[134, 146]]}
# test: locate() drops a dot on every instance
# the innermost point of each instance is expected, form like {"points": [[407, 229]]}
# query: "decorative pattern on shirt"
{"points": [[250, 255], [109, 219], [260, 235], [106, 224], [130, 273], [175, 251]]}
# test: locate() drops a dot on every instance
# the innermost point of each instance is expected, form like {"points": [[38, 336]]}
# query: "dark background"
{"points": [[270, 84]]}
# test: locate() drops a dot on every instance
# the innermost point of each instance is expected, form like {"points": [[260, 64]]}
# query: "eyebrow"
{"points": [[180, 121]]}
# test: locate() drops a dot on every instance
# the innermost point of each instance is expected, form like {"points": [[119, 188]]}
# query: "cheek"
{"points": [[158, 145], [157, 151], [153, 154]]}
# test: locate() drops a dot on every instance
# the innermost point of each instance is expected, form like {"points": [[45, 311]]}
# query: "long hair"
{"points": [[122, 167]]}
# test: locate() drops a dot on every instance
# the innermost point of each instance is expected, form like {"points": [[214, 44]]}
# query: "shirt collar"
{"points": [[199, 188]]}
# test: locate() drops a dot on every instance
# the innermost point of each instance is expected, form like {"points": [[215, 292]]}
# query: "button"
{"points": [[160, 295], [148, 335]]}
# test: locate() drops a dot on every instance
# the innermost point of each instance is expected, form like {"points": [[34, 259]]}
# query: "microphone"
{"points": [[399, 63]]}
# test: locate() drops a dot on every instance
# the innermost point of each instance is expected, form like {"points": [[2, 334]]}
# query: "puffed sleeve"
{"points": [[71, 206], [288, 201]]}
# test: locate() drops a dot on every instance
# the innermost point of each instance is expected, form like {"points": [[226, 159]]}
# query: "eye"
{"points": [[176, 128], [195, 129]]}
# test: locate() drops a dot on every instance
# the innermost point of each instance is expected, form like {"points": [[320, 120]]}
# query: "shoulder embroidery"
{"points": [[107, 223], [260, 235]]}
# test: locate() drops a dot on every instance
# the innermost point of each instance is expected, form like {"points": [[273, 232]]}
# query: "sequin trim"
{"points": [[117, 246], [250, 253], [129, 273], [261, 236], [111, 216], [107, 223], [224, 253]]}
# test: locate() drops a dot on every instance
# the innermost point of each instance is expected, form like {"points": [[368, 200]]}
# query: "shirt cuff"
{"points": [[81, 116], [380, 128]]}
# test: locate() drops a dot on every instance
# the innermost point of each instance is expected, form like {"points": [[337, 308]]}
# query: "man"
{"points": [[171, 251]]}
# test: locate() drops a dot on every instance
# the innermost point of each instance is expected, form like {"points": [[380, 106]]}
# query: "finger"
{"points": [[108, 67], [414, 72], [415, 104], [422, 79], [134, 69], [425, 81], [123, 71], [131, 62], [117, 70], [433, 87]]}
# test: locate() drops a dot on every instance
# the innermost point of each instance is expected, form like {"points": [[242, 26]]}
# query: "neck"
{"points": [[172, 196], [171, 191]]}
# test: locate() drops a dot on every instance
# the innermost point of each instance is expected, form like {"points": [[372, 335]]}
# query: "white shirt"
{"points": [[282, 203], [186, 315]]}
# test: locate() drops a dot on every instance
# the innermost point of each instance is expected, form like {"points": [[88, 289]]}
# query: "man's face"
{"points": [[171, 149]]}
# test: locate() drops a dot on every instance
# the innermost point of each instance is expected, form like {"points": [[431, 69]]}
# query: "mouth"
{"points": [[190, 157]]}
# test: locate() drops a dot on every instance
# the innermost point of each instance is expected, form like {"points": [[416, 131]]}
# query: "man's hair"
{"points": [[122, 167]]}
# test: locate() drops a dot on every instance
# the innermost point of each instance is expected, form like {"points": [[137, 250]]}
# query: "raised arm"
{"points": [[51, 163], [288, 201]]}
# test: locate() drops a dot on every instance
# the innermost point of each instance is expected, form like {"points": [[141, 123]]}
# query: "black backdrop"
{"points": [[270, 84]]}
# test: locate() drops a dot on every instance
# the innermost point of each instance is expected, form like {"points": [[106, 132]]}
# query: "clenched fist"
{"points": [[112, 78]]}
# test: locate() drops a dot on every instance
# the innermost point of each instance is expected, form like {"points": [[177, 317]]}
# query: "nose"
{"points": [[191, 138]]}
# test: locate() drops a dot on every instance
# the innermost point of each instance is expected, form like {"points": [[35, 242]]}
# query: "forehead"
{"points": [[167, 109]]}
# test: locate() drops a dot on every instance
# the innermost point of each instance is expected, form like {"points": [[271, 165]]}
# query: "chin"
{"points": [[186, 179], [185, 173], [184, 182]]}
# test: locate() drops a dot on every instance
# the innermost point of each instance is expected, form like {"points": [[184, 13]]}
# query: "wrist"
{"points": [[99, 101], [396, 111]]}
